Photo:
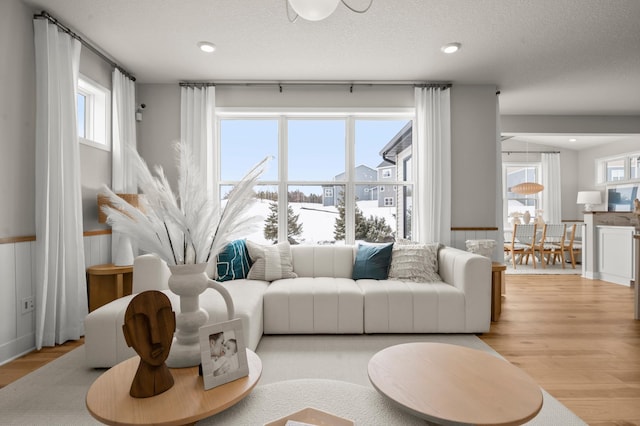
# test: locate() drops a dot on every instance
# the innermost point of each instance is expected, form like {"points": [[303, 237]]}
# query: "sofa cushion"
{"points": [[233, 262], [415, 262], [313, 305], [372, 261], [323, 260], [270, 262], [408, 307]]}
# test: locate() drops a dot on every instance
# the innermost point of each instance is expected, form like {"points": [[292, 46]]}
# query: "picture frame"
{"points": [[221, 362], [620, 197]]}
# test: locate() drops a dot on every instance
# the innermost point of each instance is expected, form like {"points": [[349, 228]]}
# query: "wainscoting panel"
{"points": [[7, 293], [17, 282], [25, 286]]}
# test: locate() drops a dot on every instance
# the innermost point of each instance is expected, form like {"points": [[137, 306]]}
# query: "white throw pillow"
{"points": [[415, 262], [270, 262]]}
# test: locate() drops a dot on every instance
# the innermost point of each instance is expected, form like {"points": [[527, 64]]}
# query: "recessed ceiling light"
{"points": [[573, 140], [451, 47], [205, 46]]}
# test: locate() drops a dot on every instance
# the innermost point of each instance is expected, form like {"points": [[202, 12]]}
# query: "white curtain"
{"points": [[433, 150], [551, 194], [197, 129], [123, 178], [499, 187], [61, 290]]}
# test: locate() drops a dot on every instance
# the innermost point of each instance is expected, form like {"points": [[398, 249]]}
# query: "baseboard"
{"points": [[17, 347]]}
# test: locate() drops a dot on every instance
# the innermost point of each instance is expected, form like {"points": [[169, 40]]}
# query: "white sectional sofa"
{"points": [[323, 299]]}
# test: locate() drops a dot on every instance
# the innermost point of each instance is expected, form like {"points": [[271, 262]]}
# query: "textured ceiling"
{"points": [[579, 57]]}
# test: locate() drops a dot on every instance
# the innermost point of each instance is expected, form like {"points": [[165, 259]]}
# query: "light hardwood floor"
{"points": [[24, 365], [575, 337], [578, 340]]}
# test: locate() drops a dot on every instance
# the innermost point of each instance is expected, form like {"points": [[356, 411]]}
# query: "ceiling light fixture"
{"points": [[207, 47], [317, 10], [451, 47], [573, 140], [526, 187]]}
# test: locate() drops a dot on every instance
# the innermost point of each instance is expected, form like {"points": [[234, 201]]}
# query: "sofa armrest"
{"points": [[150, 273], [471, 273]]}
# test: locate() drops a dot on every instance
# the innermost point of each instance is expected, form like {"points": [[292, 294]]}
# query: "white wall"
{"points": [[17, 120], [473, 152]]}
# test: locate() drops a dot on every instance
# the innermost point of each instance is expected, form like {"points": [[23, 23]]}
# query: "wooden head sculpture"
{"points": [[149, 324]]}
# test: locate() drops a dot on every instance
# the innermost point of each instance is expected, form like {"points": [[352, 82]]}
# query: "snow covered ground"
{"points": [[318, 221]]}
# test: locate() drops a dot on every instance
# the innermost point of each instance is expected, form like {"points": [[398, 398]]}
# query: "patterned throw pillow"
{"points": [[415, 262], [270, 262], [233, 261], [372, 261]]}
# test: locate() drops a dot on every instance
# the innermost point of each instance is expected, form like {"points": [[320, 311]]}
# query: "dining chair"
{"points": [[573, 246], [522, 243], [551, 244]]}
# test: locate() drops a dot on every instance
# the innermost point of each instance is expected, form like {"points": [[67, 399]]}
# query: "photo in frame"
{"points": [[223, 353], [620, 198]]}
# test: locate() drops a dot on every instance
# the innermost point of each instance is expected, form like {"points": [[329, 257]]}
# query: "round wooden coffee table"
{"points": [[108, 398], [450, 384]]}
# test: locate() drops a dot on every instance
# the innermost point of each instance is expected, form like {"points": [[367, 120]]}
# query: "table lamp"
{"points": [[589, 199], [121, 249]]}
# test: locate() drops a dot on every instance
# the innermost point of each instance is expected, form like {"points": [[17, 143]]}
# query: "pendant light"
{"points": [[526, 187], [317, 10]]}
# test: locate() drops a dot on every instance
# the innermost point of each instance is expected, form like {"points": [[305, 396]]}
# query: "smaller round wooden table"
{"points": [[108, 398], [450, 384]]}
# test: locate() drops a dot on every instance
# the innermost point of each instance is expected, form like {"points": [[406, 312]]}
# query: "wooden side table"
{"points": [[497, 289], [108, 282], [108, 398]]}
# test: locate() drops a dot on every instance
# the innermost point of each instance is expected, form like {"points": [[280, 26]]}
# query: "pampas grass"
{"points": [[189, 227]]}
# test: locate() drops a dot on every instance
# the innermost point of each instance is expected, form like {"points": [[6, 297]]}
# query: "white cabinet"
{"points": [[615, 254]]}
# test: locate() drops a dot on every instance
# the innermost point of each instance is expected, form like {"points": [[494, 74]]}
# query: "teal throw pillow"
{"points": [[372, 261], [233, 261]]}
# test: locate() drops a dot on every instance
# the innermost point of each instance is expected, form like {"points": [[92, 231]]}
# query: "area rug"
{"points": [[55, 394]]}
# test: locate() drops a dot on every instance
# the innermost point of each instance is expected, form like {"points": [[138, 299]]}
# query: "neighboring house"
{"points": [[331, 195], [386, 193], [396, 166]]}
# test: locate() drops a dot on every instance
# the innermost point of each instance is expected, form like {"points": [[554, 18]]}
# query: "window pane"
{"points": [[81, 120], [405, 210], [378, 146], [518, 204], [635, 167], [377, 217], [312, 217], [243, 144], [316, 150], [266, 196], [615, 170]]}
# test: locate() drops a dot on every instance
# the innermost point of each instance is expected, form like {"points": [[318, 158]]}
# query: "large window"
{"points": [[93, 103], [325, 177], [516, 205]]}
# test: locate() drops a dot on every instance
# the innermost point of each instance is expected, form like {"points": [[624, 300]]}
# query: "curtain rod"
{"points": [[47, 16], [531, 152], [350, 84]]}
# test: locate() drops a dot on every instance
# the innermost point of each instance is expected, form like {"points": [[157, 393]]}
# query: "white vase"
{"points": [[188, 282]]}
